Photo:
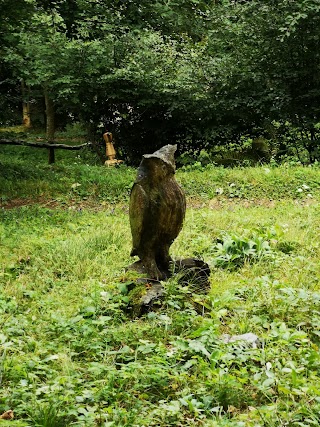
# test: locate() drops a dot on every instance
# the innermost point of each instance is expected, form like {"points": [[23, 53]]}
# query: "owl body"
{"points": [[157, 210]]}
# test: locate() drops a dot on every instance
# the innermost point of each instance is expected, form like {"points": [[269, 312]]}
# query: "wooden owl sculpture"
{"points": [[157, 210]]}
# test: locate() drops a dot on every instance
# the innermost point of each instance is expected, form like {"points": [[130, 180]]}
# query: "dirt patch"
{"points": [[71, 204], [18, 203], [91, 204]]}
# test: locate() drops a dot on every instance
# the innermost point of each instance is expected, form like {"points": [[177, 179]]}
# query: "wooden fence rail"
{"points": [[51, 147]]}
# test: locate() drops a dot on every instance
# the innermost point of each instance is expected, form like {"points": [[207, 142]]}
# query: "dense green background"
{"points": [[198, 72]]}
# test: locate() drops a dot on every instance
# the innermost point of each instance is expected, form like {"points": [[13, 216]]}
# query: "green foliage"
{"points": [[234, 251], [203, 74], [71, 353], [268, 183], [24, 173]]}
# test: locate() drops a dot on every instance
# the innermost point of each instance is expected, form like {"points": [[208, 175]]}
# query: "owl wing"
{"points": [[138, 207]]}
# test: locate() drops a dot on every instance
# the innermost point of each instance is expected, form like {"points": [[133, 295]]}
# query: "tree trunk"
{"points": [[26, 118], [50, 123], [312, 146]]}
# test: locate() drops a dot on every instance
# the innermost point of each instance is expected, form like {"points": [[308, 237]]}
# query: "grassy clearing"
{"points": [[70, 354], [73, 179]]}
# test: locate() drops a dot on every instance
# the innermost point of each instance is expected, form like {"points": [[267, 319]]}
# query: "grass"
{"points": [[74, 178], [70, 354]]}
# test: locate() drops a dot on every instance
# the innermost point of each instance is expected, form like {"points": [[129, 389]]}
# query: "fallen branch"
{"points": [[44, 144]]}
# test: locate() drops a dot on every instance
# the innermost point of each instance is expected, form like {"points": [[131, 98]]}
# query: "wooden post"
{"points": [[110, 150], [51, 156], [50, 123]]}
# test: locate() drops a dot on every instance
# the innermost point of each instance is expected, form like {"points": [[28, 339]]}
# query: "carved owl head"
{"points": [[158, 165], [166, 154]]}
